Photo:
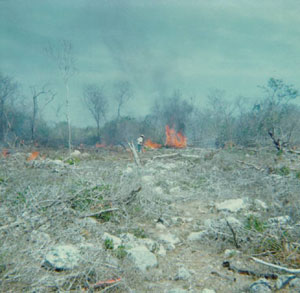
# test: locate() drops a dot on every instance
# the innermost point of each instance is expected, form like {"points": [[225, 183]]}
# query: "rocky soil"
{"points": [[188, 220]]}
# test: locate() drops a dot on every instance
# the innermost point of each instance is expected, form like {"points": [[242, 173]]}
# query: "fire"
{"points": [[33, 156], [175, 140], [152, 145], [5, 153], [100, 145]]}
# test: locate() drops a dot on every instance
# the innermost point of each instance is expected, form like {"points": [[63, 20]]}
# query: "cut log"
{"points": [[135, 154]]}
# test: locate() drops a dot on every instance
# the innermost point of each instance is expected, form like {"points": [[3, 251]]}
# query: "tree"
{"points": [[274, 111], [36, 94], [64, 58], [8, 88], [96, 102], [123, 93]]}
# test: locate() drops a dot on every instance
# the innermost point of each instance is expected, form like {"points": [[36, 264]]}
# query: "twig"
{"points": [[250, 165], [99, 213], [280, 268], [223, 276], [233, 234], [132, 195], [11, 225]]}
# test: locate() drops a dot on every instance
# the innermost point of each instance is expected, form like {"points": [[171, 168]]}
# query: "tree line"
{"points": [[273, 118]]}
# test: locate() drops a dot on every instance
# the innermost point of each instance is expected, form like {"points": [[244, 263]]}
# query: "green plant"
{"points": [[298, 174], [108, 243], [283, 171], [254, 223], [139, 233], [120, 252], [72, 161]]}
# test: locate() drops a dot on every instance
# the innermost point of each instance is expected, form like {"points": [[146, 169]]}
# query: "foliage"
{"points": [[108, 243], [254, 223]]}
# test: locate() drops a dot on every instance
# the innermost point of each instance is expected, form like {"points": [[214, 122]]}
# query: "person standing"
{"points": [[140, 142]]}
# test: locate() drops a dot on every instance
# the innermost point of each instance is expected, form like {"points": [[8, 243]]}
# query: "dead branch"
{"points": [[280, 268], [132, 195], [166, 156], [99, 213], [223, 276], [135, 154], [226, 264], [293, 152], [250, 165], [233, 234]]}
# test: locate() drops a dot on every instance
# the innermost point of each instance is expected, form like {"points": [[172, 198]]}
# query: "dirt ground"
{"points": [[53, 199]]}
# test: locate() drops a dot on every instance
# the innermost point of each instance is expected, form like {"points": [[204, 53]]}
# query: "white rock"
{"points": [[76, 153], [148, 179], [260, 204], [62, 257], [281, 220], [182, 274], [232, 205], [230, 252], [41, 238], [208, 291], [168, 239], [149, 243], [161, 251], [196, 236], [160, 227], [142, 258]]}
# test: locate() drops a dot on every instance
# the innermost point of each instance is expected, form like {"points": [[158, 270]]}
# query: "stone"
{"points": [[148, 179], [208, 291], [281, 220], [62, 257], [231, 252], [161, 251], [182, 274], [260, 286], [196, 236], [149, 243], [169, 240], [232, 205], [75, 153], [259, 204], [205, 290], [41, 238], [142, 258], [115, 240], [295, 284]]}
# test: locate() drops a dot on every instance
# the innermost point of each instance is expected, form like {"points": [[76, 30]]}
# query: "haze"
{"points": [[158, 46]]}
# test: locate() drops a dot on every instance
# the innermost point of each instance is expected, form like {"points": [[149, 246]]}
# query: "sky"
{"points": [[159, 46]]}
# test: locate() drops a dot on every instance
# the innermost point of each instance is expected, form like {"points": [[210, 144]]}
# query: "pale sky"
{"points": [[157, 45]]}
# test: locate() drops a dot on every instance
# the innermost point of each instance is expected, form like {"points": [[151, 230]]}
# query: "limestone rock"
{"points": [[62, 257], [196, 236], [182, 274], [232, 205], [142, 258], [260, 286]]}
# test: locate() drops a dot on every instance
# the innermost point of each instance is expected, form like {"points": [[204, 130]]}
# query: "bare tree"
{"points": [[64, 57], [7, 89], [48, 98], [96, 102], [273, 111], [123, 95]]}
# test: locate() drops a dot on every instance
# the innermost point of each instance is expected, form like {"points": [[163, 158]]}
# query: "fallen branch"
{"points": [[293, 152], [226, 264], [99, 213], [251, 165], [135, 154], [223, 276], [280, 268], [166, 156]]}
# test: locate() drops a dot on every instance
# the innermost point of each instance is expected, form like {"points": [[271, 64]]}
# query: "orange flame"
{"points": [[100, 145], [33, 156], [152, 145], [175, 140]]}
